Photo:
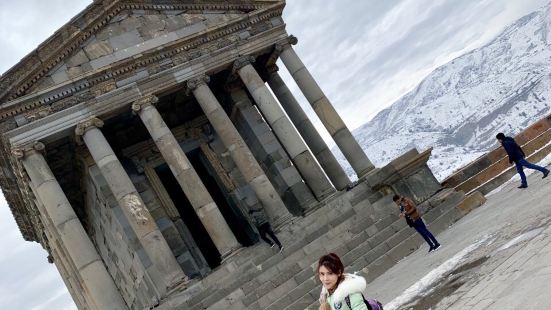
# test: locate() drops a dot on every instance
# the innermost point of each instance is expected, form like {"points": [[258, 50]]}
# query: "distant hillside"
{"points": [[458, 109]]}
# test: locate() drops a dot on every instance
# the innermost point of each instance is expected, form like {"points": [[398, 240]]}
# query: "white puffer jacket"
{"points": [[351, 284]]}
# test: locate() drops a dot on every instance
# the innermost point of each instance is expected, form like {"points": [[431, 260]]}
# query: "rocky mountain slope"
{"points": [[457, 109]]}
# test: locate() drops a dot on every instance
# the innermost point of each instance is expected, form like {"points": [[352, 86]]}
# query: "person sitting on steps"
{"points": [[264, 228]]}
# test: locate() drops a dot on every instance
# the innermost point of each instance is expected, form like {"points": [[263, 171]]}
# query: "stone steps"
{"points": [[409, 244], [293, 283], [379, 258], [322, 221]]}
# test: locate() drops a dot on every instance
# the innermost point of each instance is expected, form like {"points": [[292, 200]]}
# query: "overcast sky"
{"points": [[364, 54]]}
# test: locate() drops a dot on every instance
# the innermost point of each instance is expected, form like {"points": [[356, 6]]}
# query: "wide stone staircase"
{"points": [[361, 226], [493, 169]]}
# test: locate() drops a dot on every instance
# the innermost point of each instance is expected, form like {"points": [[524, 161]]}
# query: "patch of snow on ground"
{"points": [[426, 284], [526, 236]]}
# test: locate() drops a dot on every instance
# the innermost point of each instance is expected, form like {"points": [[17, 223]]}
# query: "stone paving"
{"points": [[497, 257]]}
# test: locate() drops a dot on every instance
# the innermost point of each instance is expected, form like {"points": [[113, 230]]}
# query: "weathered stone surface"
{"points": [[98, 49], [125, 40], [78, 59]]}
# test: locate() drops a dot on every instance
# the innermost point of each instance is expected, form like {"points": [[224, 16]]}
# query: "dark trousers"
{"points": [[524, 163], [419, 225], [266, 229]]}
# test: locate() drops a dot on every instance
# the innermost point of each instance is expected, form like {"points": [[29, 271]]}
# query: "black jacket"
{"points": [[513, 149]]}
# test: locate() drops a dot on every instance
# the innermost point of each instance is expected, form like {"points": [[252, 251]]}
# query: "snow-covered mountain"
{"points": [[458, 109]]}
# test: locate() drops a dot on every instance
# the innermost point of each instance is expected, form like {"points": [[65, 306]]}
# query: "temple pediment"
{"points": [[108, 32], [129, 34]]}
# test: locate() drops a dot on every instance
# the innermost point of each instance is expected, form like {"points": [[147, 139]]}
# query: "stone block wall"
{"points": [[117, 244], [270, 154], [407, 175], [178, 237]]}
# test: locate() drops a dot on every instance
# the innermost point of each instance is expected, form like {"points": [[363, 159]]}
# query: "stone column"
{"points": [[189, 181], [305, 127], [131, 204], [290, 139], [325, 110], [92, 271], [239, 152]]}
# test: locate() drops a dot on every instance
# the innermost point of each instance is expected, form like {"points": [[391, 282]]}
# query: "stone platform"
{"points": [[496, 257], [361, 225], [492, 169]]}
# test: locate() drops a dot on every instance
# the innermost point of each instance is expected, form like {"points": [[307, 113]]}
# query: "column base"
{"points": [[282, 222], [326, 194], [179, 286], [228, 255], [367, 172]]}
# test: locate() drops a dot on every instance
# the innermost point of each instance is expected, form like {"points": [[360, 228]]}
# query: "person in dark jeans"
{"points": [[516, 155], [408, 210], [264, 228]]}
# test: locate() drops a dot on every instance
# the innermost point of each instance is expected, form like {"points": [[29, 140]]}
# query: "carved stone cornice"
{"points": [[242, 62], [22, 151], [148, 100], [84, 126], [193, 83], [19, 79]]}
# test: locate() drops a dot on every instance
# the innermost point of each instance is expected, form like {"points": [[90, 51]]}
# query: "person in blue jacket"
{"points": [[516, 155]]}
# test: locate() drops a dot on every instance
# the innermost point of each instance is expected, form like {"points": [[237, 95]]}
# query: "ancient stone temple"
{"points": [[137, 138]]}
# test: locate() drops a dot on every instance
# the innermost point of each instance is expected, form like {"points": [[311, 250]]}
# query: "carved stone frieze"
{"points": [[103, 87], [38, 113], [71, 101]]}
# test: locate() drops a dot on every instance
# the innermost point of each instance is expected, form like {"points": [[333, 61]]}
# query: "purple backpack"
{"points": [[372, 304]]}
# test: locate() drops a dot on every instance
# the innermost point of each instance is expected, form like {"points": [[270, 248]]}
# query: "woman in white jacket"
{"points": [[340, 291]]}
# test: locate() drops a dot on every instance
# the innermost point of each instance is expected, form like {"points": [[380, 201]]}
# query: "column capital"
{"points": [[147, 100], [290, 40], [85, 125], [21, 152], [242, 62], [193, 83]]}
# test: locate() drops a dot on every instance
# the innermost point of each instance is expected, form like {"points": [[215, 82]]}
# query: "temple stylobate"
{"points": [[136, 139]]}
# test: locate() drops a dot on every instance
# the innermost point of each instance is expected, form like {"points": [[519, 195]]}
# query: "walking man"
{"points": [[408, 210], [516, 155], [264, 228]]}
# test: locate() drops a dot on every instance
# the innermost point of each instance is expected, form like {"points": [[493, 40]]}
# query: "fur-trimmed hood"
{"points": [[351, 284]]}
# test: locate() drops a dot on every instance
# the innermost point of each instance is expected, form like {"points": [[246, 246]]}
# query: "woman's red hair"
{"points": [[332, 262]]}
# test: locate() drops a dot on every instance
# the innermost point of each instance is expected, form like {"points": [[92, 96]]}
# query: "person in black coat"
{"points": [[516, 155]]}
